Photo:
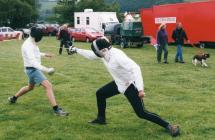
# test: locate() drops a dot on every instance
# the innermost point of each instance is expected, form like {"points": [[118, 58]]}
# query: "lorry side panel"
{"points": [[148, 24], [198, 19]]}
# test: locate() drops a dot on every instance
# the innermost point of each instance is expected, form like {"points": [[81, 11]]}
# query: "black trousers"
{"points": [[131, 94], [64, 44]]}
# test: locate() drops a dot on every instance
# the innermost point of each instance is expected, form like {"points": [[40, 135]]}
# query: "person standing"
{"points": [[162, 41], [65, 40], [127, 79], [34, 70], [179, 35]]}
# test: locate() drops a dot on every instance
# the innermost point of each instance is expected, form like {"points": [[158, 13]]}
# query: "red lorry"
{"points": [[197, 18]]}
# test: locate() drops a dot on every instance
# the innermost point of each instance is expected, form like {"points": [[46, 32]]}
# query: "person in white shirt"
{"points": [[33, 68], [127, 79]]}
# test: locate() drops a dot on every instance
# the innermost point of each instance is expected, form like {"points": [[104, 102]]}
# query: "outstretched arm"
{"points": [[85, 53], [31, 58]]}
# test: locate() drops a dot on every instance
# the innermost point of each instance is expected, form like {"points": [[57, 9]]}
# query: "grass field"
{"points": [[180, 93]]}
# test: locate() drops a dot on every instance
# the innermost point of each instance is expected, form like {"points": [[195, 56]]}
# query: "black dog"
{"points": [[201, 59]]}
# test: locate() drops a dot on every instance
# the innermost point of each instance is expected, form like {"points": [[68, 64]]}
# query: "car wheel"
{"points": [[26, 35], [202, 45]]}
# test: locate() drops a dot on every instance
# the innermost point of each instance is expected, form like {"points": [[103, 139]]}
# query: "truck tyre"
{"points": [[140, 45], [202, 45], [123, 43]]}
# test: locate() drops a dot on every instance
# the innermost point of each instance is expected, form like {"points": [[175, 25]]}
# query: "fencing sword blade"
{"points": [[61, 74]]}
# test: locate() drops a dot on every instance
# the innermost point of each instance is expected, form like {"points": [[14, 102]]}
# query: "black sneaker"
{"points": [[60, 112], [173, 130], [176, 60], [12, 99], [165, 62], [100, 121], [181, 62]]}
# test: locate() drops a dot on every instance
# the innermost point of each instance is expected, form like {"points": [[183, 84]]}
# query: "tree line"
{"points": [[64, 11], [66, 8], [17, 13]]}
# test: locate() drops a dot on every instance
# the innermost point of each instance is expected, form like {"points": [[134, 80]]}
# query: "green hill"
{"points": [[135, 5]]}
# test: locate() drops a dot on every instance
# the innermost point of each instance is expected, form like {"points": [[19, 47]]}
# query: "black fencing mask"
{"points": [[36, 33], [100, 44]]}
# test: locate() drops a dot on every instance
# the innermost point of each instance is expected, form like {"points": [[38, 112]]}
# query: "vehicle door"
{"points": [[83, 35], [11, 33], [1, 34], [4, 32], [76, 34]]}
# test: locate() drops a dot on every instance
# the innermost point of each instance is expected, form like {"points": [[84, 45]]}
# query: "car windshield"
{"points": [[110, 27], [10, 30], [91, 30]]}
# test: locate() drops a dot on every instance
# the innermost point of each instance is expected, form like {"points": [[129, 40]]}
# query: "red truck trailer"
{"points": [[197, 18]]}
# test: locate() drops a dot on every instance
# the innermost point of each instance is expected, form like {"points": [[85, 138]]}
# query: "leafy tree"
{"points": [[17, 13], [64, 11]]}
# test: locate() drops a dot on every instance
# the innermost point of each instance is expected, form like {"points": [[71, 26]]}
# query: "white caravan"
{"points": [[96, 20]]}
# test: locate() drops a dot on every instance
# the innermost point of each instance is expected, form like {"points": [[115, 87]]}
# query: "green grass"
{"points": [[180, 93]]}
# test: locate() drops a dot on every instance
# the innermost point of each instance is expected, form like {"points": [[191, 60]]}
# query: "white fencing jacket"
{"points": [[123, 70], [31, 55]]}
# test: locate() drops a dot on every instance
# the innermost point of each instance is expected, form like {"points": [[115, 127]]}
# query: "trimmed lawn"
{"points": [[180, 93]]}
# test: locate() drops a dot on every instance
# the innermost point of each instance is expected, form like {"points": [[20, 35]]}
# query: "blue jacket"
{"points": [[162, 38]]}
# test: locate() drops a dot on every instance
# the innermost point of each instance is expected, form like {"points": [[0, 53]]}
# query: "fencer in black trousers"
{"points": [[136, 102], [127, 79]]}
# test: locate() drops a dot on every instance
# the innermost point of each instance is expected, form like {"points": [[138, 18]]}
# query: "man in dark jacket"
{"points": [[65, 40], [178, 36]]}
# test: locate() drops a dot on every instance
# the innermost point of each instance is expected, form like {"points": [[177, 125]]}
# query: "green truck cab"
{"points": [[131, 34]]}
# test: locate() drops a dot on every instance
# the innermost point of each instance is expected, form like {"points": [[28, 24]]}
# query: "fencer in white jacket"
{"points": [[34, 70], [127, 79]]}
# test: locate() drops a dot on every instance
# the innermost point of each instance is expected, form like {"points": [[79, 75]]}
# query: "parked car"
{"points": [[1, 37], [51, 29], [9, 33], [85, 34], [48, 29], [25, 32]]}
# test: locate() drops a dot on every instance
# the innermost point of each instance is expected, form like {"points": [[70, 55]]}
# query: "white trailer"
{"points": [[96, 20]]}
